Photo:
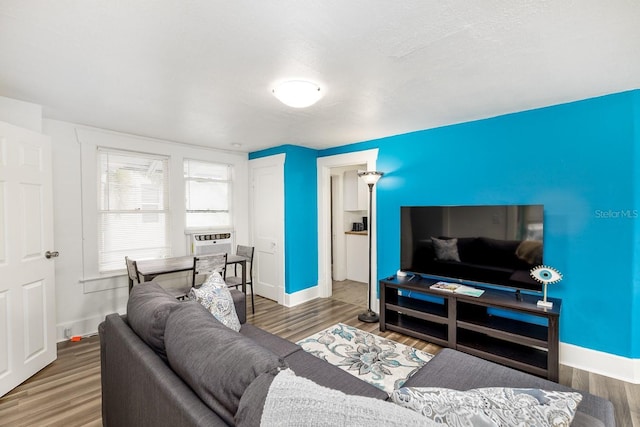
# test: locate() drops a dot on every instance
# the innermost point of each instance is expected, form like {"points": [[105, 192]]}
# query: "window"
{"points": [[207, 194], [133, 214]]}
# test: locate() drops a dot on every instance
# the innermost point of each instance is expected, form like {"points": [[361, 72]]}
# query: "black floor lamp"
{"points": [[370, 178]]}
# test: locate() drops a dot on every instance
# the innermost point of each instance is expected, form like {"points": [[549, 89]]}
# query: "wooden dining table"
{"points": [[151, 268]]}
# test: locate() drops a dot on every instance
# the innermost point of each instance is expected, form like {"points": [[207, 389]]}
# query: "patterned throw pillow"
{"points": [[491, 406], [215, 297], [446, 249]]}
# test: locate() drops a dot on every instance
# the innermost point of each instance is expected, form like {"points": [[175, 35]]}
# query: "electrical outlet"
{"points": [[67, 332]]}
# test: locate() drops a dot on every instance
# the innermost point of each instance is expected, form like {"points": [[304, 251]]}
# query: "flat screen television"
{"points": [[494, 245]]}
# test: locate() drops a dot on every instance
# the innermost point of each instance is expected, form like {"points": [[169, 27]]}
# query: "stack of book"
{"points": [[456, 288]]}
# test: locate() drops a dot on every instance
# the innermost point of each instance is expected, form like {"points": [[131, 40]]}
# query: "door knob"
{"points": [[51, 254]]}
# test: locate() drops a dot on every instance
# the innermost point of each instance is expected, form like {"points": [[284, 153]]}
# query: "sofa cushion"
{"points": [[148, 309], [215, 361], [279, 346], [492, 406], [214, 295]]}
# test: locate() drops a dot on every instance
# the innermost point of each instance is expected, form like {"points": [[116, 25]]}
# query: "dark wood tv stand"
{"points": [[495, 326]]}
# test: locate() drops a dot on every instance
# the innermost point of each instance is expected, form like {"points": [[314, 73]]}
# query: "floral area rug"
{"points": [[381, 362]]}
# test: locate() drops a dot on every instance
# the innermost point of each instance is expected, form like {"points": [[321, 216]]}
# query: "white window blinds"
{"points": [[132, 208], [207, 194]]}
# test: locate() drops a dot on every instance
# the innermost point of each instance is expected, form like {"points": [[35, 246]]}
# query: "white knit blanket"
{"points": [[296, 401]]}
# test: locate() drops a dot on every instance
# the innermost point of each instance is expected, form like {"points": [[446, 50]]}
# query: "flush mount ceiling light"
{"points": [[297, 93]]}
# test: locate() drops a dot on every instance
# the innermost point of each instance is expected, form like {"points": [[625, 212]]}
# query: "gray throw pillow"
{"points": [[148, 309], [215, 361], [446, 249], [214, 295]]}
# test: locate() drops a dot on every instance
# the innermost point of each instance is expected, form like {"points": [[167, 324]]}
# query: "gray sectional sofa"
{"points": [[179, 366]]}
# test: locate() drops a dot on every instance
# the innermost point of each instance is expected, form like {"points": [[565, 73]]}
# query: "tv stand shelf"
{"points": [[496, 326]]}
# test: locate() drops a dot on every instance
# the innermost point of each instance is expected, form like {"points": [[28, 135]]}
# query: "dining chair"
{"points": [[132, 271], [134, 276], [207, 264], [235, 280]]}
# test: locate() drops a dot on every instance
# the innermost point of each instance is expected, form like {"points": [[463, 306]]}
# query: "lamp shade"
{"points": [[298, 93], [370, 177]]}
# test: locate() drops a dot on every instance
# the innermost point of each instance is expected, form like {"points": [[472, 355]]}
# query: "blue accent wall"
{"points": [[578, 159], [635, 184], [300, 211]]}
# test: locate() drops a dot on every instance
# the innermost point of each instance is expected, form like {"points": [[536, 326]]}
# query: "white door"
{"points": [[267, 219], [27, 291]]}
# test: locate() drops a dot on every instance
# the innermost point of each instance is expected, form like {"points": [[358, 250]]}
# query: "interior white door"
{"points": [[27, 289], [268, 227]]}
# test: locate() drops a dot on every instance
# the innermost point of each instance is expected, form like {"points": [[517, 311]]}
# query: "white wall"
{"points": [[83, 297]]}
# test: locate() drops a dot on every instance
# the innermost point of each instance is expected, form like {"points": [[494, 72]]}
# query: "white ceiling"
{"points": [[201, 71]]}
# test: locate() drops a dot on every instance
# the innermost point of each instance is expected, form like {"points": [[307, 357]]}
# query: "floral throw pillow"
{"points": [[491, 406], [214, 295]]}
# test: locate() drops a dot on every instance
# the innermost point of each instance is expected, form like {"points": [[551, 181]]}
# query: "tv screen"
{"points": [[495, 245]]}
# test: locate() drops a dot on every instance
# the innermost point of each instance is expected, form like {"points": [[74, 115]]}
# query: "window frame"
{"points": [[100, 212]]}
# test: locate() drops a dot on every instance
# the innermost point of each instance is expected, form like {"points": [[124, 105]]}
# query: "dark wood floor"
{"points": [[67, 392]]}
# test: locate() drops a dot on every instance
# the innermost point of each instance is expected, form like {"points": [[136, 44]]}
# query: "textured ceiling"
{"points": [[201, 71]]}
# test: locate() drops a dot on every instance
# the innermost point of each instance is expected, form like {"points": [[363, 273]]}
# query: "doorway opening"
{"points": [[349, 224], [363, 160]]}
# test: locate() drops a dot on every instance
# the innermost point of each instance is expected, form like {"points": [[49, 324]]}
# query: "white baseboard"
{"points": [[82, 327], [296, 298], [609, 365]]}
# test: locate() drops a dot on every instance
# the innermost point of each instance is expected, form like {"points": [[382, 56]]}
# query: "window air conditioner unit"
{"points": [[210, 243]]}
